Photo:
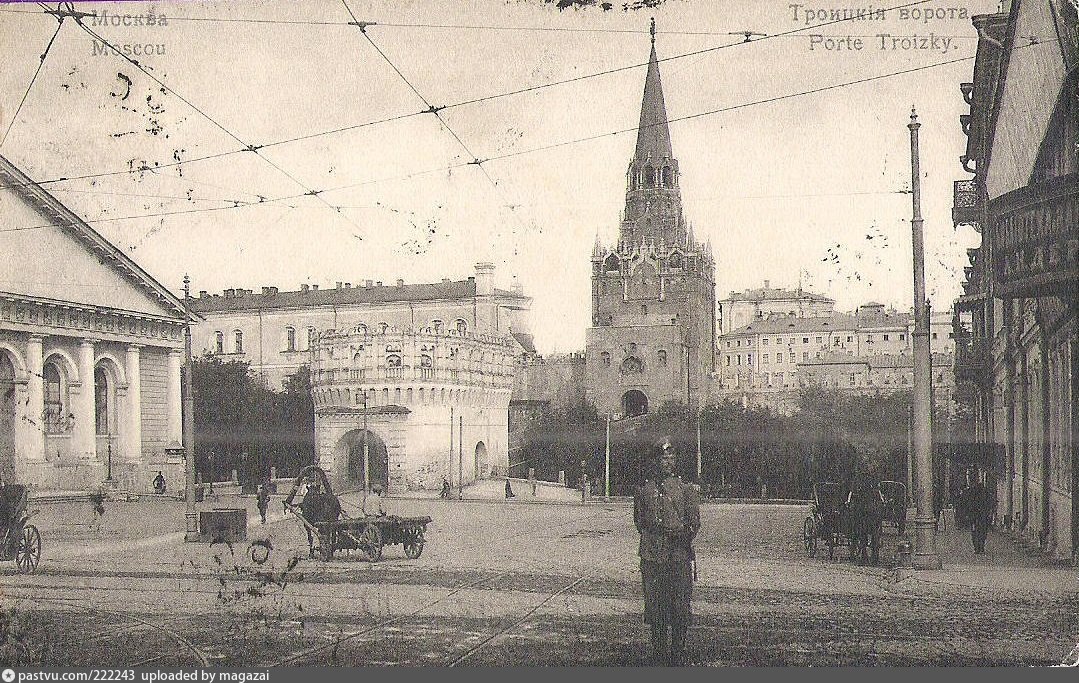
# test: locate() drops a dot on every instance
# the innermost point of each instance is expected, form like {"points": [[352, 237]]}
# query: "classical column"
{"points": [[34, 443], [173, 399], [132, 429], [84, 443]]}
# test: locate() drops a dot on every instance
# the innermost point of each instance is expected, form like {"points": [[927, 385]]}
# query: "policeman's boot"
{"points": [[660, 651], [678, 645]]}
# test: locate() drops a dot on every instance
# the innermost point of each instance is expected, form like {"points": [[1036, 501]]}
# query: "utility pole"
{"points": [[366, 458], [925, 551], [607, 463], [449, 463], [189, 424], [698, 446], [461, 453]]}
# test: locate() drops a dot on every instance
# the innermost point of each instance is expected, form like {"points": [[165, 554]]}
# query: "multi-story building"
{"points": [[741, 308], [275, 331], [429, 404], [767, 361], [91, 349], [1018, 346], [653, 292]]}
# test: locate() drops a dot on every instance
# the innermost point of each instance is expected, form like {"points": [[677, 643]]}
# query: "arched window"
{"points": [[462, 326], [436, 325], [611, 264], [668, 176], [382, 327], [385, 397], [393, 361], [219, 342], [101, 401], [237, 342], [312, 337], [649, 176], [605, 358], [662, 357], [408, 395], [290, 339], [55, 422], [397, 396], [421, 395]]}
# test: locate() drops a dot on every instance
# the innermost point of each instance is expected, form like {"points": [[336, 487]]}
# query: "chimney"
{"points": [[485, 278], [339, 283], [378, 284], [766, 283], [314, 288], [370, 283], [348, 285], [269, 291], [446, 279], [400, 282], [202, 293], [304, 288], [229, 293]]}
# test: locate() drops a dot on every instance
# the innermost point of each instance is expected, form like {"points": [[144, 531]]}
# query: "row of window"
{"points": [[661, 358], [376, 397], [58, 417], [789, 379], [291, 338], [836, 341]]}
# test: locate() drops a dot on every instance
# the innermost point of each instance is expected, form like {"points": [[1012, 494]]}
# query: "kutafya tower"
{"points": [[653, 292]]}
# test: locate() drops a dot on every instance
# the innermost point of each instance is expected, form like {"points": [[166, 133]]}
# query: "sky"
{"points": [[351, 180]]}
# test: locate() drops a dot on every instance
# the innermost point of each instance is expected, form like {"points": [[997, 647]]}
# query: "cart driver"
{"points": [[312, 507]]}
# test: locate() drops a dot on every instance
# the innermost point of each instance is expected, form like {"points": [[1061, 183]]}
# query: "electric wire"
{"points": [[33, 79]]}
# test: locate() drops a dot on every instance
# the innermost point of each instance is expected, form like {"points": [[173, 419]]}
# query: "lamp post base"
{"points": [[925, 544]]}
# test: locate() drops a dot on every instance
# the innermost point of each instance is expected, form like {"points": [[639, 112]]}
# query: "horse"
{"points": [[865, 517]]}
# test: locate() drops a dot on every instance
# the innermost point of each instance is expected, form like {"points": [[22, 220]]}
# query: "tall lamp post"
{"points": [[189, 423], [607, 463], [925, 551]]}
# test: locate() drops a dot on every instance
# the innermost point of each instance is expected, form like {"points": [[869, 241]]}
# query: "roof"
{"points": [[526, 342], [777, 294], [64, 218], [653, 135], [780, 325], [461, 289]]}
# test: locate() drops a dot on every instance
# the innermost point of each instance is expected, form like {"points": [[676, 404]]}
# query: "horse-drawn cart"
{"points": [[826, 521], [333, 530], [20, 541]]}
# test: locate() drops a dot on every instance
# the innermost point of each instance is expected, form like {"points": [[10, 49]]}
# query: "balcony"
{"points": [[1034, 238], [971, 358], [968, 202]]}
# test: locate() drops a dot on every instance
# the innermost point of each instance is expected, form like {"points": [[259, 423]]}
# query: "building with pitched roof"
{"points": [[1018, 318], [652, 338], [91, 349], [742, 308]]}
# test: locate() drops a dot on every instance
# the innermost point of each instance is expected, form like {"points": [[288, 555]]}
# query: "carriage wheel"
{"points": [[809, 536], [29, 553], [414, 544], [371, 542]]}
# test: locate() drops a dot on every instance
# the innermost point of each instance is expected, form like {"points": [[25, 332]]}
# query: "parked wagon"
{"points": [[331, 529], [20, 541], [827, 521], [894, 495]]}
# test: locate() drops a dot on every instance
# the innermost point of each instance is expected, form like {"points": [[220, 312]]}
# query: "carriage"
{"points": [[894, 495], [334, 530], [20, 541], [827, 520]]}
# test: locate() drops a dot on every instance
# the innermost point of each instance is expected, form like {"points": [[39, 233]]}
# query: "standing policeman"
{"points": [[667, 514]]}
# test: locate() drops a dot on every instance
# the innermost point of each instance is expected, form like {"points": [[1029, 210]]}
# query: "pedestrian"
{"points": [[445, 492], [159, 483], [981, 511], [509, 491], [667, 515], [264, 498]]}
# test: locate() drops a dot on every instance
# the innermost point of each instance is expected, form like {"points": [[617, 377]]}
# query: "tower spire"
{"points": [[653, 136]]}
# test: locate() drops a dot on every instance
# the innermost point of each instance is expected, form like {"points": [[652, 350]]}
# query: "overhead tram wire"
{"points": [[475, 160], [444, 169], [248, 147], [485, 98], [33, 79]]}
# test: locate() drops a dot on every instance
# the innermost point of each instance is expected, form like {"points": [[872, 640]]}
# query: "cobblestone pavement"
{"points": [[500, 584]]}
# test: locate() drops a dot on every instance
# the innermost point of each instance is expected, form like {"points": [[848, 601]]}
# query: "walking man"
{"points": [[667, 514], [264, 498]]}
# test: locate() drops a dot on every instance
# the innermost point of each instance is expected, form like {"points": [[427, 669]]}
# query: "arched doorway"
{"points": [[349, 460], [634, 403], [7, 418], [480, 461]]}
